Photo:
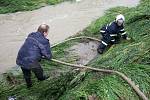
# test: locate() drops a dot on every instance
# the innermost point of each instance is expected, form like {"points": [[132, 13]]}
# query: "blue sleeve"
{"points": [[46, 50], [123, 33]]}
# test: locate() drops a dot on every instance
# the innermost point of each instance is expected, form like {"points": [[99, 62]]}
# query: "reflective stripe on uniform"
{"points": [[122, 30], [104, 43], [110, 23], [112, 40], [106, 26], [113, 34], [123, 33]]}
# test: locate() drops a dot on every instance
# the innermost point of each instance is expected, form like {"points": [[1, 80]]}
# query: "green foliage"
{"points": [[130, 57], [10, 6], [50, 89], [53, 2]]}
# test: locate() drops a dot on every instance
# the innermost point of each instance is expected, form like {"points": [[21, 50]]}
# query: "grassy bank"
{"points": [[130, 57], [10, 6]]}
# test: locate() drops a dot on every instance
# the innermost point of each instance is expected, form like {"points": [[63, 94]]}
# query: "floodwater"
{"points": [[65, 19]]}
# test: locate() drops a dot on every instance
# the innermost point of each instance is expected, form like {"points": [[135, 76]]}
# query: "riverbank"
{"points": [[129, 57]]}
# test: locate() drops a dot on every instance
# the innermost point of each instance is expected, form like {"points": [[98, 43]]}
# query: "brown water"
{"points": [[65, 20]]}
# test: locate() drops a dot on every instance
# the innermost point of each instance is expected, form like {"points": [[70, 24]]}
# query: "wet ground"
{"points": [[65, 19], [84, 52]]}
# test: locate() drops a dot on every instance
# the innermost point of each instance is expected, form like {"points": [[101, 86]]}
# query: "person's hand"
{"points": [[128, 38]]}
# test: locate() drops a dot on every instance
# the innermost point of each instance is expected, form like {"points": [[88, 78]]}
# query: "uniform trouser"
{"points": [[107, 40], [36, 69]]}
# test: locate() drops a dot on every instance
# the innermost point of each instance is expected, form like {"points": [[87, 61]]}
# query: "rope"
{"points": [[81, 37], [123, 76]]}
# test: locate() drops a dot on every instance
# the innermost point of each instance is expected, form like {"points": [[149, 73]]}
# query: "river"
{"points": [[65, 19]]}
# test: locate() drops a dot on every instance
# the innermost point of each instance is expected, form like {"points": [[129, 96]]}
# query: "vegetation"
{"points": [[130, 57], [10, 6]]}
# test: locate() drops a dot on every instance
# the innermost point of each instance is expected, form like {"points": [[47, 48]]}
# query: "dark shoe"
{"points": [[100, 51], [12, 98]]}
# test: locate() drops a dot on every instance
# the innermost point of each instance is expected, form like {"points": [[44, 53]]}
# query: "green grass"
{"points": [[11, 6], [130, 57]]}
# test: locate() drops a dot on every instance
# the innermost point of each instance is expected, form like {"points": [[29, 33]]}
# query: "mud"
{"points": [[84, 52]]}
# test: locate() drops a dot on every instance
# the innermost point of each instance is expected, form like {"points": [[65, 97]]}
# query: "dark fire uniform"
{"points": [[111, 34]]}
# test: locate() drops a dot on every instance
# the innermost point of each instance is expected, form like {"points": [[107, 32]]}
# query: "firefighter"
{"points": [[111, 33]]}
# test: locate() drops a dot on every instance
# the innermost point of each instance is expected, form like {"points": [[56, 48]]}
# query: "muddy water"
{"points": [[65, 20]]}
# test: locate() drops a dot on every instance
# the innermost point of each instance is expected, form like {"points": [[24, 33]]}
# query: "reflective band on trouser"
{"points": [[104, 43], [113, 34], [123, 33], [112, 40], [102, 31]]}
